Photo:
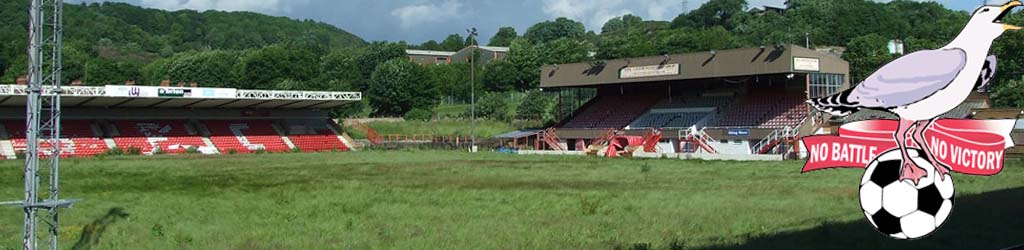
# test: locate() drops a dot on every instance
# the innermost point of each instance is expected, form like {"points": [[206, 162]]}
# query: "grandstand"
{"points": [[739, 101], [174, 120]]}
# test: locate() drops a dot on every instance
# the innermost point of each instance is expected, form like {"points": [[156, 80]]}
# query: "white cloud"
{"points": [[594, 13], [262, 6], [417, 14]]}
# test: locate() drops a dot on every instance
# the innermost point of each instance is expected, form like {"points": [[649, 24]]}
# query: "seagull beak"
{"points": [[1011, 4], [1006, 10]]}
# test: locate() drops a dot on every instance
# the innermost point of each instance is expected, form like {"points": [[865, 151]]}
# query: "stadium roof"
{"points": [[782, 59], [428, 52], [122, 96], [493, 48]]}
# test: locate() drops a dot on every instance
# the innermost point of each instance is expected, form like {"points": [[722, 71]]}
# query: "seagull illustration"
{"points": [[921, 86]]}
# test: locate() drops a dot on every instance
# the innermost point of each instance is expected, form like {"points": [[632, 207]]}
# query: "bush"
{"points": [[419, 114], [537, 106], [133, 151], [397, 87], [232, 151], [259, 151], [493, 106], [113, 152], [191, 150], [1008, 93]]}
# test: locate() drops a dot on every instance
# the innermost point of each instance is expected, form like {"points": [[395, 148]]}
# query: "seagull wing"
{"points": [[988, 71], [910, 78]]}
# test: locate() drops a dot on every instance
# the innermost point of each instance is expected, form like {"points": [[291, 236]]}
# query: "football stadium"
{"points": [[162, 119], [586, 141]]}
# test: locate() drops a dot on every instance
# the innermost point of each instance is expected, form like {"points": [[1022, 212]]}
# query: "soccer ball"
{"points": [[900, 209]]}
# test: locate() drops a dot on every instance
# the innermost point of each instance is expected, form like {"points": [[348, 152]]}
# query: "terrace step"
{"points": [[7, 149]]}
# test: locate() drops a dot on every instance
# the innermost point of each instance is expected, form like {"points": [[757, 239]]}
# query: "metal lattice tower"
{"points": [[42, 126]]}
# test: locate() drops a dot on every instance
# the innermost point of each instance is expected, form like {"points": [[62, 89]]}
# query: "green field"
{"points": [[451, 200]]}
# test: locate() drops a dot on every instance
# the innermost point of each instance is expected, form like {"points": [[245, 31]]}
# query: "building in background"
{"points": [[429, 57], [487, 54]]}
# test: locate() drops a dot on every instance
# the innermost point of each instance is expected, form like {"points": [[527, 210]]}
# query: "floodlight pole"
{"points": [[42, 126], [472, 88]]}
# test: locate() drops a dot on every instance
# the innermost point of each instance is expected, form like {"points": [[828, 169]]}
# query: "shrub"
{"points": [[191, 150], [113, 152], [134, 151], [492, 106], [537, 106], [419, 114], [259, 151], [232, 151]]}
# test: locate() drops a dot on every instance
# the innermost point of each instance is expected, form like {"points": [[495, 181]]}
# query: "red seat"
{"points": [[77, 139], [766, 110], [170, 136], [320, 139], [245, 136], [614, 111]]}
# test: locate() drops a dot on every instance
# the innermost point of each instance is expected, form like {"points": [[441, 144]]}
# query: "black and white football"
{"points": [[900, 209]]}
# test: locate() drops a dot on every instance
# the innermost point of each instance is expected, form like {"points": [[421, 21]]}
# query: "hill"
{"points": [[125, 34]]}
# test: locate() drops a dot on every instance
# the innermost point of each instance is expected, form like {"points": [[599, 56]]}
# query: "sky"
{"points": [[417, 21]]}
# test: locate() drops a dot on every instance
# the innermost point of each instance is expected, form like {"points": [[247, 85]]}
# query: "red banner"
{"points": [[974, 147]]}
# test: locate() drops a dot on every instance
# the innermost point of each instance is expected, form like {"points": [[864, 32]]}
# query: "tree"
{"points": [[396, 87], [502, 76], [690, 40], [504, 37], [565, 50], [866, 54], [453, 42], [452, 80], [552, 30], [1008, 93], [621, 23], [713, 13], [470, 41], [419, 114], [430, 45], [101, 72], [536, 106], [525, 60], [340, 66], [372, 56], [263, 68], [209, 68], [494, 105]]}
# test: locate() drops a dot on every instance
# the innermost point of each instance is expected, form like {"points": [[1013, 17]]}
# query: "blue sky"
{"points": [[417, 21]]}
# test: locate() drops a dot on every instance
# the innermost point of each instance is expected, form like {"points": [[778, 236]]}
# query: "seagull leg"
{"points": [[910, 171], [921, 126]]}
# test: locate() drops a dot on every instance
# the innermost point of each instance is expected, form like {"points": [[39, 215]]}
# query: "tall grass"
{"points": [[449, 200], [446, 127]]}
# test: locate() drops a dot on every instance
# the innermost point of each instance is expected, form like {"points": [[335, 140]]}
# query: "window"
{"points": [[824, 84]]}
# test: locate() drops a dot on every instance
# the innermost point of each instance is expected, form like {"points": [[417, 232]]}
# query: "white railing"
{"points": [[86, 91], [298, 95], [699, 139], [778, 134], [99, 91]]}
